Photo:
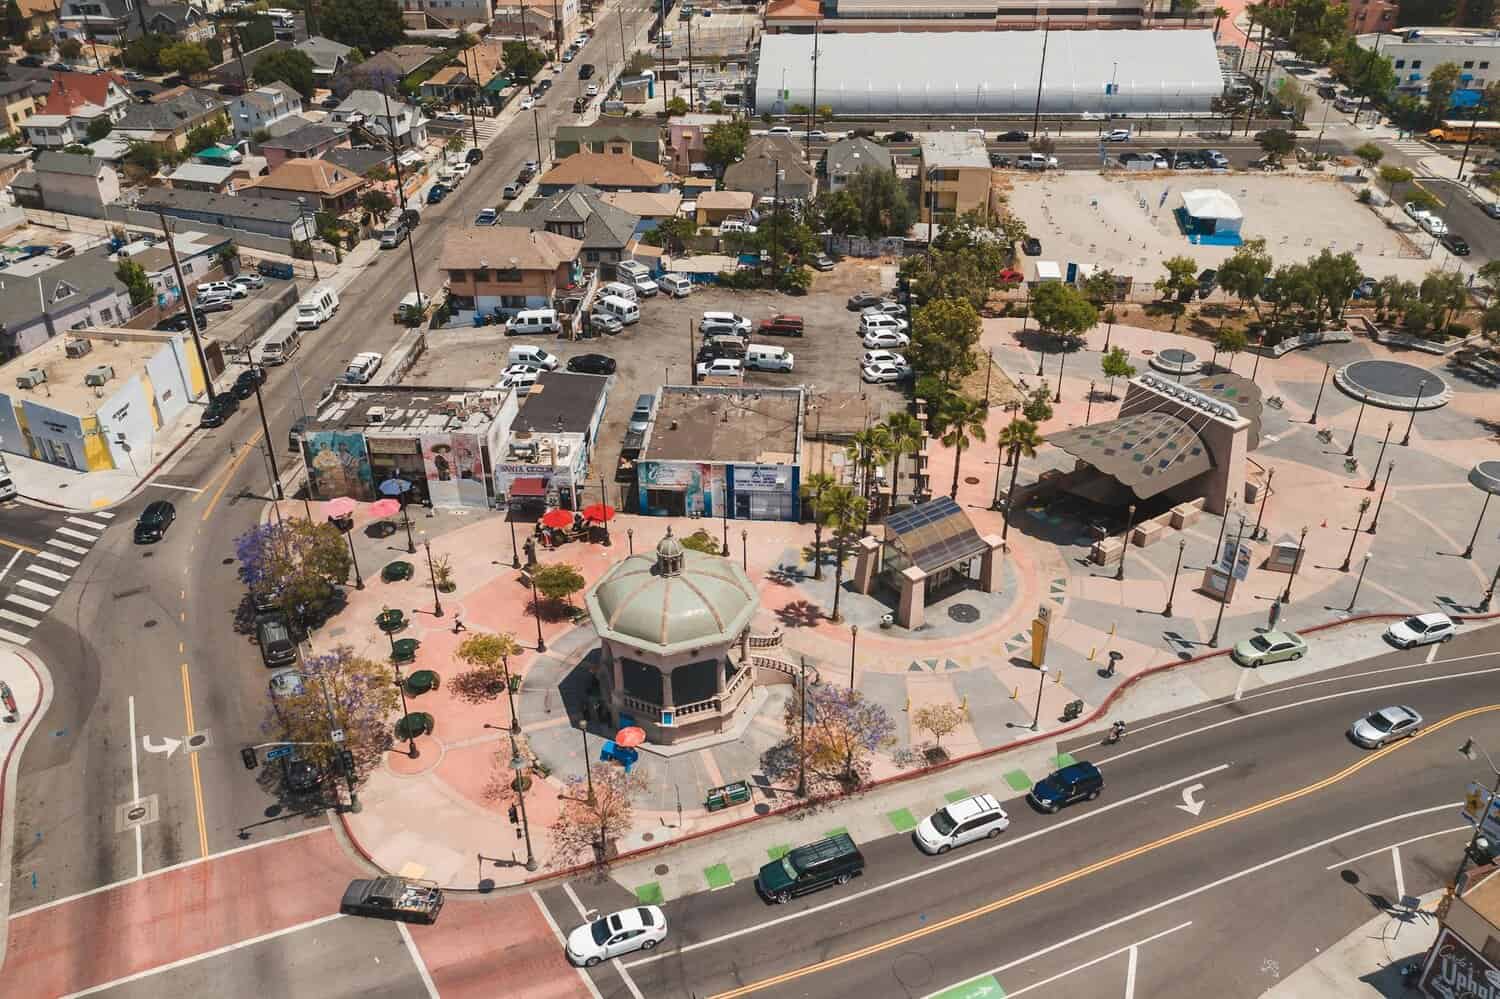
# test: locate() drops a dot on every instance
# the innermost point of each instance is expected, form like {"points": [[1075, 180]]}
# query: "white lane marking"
{"points": [[85, 523], [35, 605], [629, 982], [71, 563], [1130, 972], [572, 897], [168, 485], [103, 513], [216, 952], [1295, 704], [47, 573], [6, 570], [416, 958], [1239, 688], [68, 546], [1400, 877], [135, 791], [45, 591], [1432, 652], [547, 915], [13, 638], [275, 841], [928, 871], [68, 532], [1129, 982], [1404, 842], [11, 615], [1193, 892]]}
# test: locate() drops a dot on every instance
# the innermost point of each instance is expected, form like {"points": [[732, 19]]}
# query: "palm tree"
{"points": [[961, 422], [870, 447], [841, 511], [905, 432], [1219, 14], [814, 488], [1022, 440]]}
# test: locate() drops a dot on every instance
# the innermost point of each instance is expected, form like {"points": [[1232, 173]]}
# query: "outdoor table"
{"points": [[421, 682], [390, 621], [405, 650], [396, 571]]}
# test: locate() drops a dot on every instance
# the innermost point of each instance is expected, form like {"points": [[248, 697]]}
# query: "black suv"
{"points": [[277, 648], [154, 521], [244, 385], [1077, 782], [586, 71], [216, 412], [178, 322], [807, 868]]}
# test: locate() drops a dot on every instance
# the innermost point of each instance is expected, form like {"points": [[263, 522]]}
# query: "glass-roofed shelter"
{"points": [[929, 550]]}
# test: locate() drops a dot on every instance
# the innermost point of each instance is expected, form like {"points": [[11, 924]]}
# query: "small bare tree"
{"points": [[938, 720], [588, 827], [489, 671]]}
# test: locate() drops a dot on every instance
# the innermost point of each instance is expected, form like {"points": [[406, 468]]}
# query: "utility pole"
{"points": [[812, 114], [192, 310], [411, 239], [1036, 115], [692, 104], [260, 402], [531, 92]]}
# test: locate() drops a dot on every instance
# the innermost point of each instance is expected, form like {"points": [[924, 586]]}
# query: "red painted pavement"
{"points": [[499, 947], [167, 917]]}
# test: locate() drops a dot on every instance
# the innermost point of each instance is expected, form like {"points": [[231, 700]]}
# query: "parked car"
{"points": [[1421, 629], [822, 262], [900, 137], [1001, 161], [861, 300], [885, 338], [214, 303], [1269, 647], [221, 288], [1492, 209], [1031, 246], [976, 817], [586, 71], [1013, 136], [1077, 782], [487, 216], [884, 371], [638, 928], [782, 325], [153, 522], [244, 385], [1367, 288], [592, 364], [885, 307], [216, 412], [473, 156], [834, 860], [512, 190], [437, 193], [249, 281], [720, 323], [274, 635], [592, 90], [1386, 725], [296, 431], [882, 357], [603, 322], [528, 102], [362, 367], [720, 367], [1117, 135], [1456, 244], [178, 322]]}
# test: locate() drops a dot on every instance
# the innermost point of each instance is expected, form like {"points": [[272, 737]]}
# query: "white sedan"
{"points": [[885, 338], [885, 371], [527, 103], [882, 357], [522, 369], [1421, 629], [592, 90], [641, 928]]}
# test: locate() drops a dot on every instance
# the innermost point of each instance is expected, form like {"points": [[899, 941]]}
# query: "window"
{"points": [[1469, 64], [1416, 64], [592, 256], [1485, 64], [1400, 64], [481, 275]]}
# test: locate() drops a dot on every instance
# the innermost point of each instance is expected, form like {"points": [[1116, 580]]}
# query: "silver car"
{"points": [[1386, 725]]}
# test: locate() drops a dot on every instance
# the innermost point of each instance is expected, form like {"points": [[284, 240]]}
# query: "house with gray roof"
{"points": [[382, 117], [327, 55], [848, 157], [66, 182], [42, 297], [756, 172], [358, 161], [268, 216], [581, 213], [167, 124], [307, 142], [262, 107]]}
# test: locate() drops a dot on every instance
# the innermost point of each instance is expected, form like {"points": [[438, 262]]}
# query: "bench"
{"points": [[733, 793], [395, 572]]}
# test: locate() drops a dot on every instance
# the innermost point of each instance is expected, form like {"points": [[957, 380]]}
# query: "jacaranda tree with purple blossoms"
{"points": [[295, 562], [339, 690], [844, 731]]}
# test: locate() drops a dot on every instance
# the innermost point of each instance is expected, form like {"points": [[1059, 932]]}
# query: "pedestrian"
{"points": [[458, 623]]}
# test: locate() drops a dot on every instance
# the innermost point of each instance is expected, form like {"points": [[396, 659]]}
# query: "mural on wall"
{"points": [[682, 477], [338, 465], [455, 469]]}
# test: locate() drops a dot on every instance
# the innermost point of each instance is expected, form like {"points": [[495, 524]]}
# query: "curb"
{"points": [[8, 786], [129, 495], [1083, 721]]}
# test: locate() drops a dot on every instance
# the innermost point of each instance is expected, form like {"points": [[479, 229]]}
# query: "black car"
{"points": [[473, 156], [154, 521], [542, 86], [244, 385], [30, 62], [216, 412], [1012, 137], [1078, 782], [1456, 244], [1031, 246], [807, 868], [178, 322], [411, 218], [59, 67], [999, 160], [592, 364], [586, 71], [277, 647], [900, 137], [863, 300]]}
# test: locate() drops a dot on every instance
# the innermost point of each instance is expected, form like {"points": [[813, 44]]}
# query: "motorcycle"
{"points": [[1115, 734]]}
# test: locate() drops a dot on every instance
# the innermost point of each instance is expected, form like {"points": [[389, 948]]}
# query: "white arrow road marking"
{"points": [[169, 746], [1189, 805]]}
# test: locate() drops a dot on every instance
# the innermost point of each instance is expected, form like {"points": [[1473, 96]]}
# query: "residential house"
{"points": [[419, 15], [73, 102], [953, 175], [650, 207], [268, 216], [644, 139], [40, 15], [307, 142], [66, 182], [582, 213], [848, 157], [686, 135], [197, 254], [194, 176], [261, 107], [18, 101], [103, 20], [448, 85], [323, 186], [533, 19], [382, 117], [43, 296], [393, 64], [765, 155], [502, 268], [167, 124], [359, 161], [179, 20], [327, 55], [613, 170], [716, 206], [13, 164]]}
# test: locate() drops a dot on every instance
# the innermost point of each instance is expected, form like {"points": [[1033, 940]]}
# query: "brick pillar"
{"points": [[867, 564], [989, 566], [913, 610]]}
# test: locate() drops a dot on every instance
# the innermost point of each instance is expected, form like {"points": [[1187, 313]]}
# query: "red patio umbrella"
{"points": [[385, 508], [599, 513], [630, 737], [557, 518], [339, 508]]}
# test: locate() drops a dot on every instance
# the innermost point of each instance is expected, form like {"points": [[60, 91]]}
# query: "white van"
{"points": [[622, 309], [762, 357], [620, 289], [638, 277], [534, 321], [525, 353], [675, 285], [317, 307], [280, 347]]}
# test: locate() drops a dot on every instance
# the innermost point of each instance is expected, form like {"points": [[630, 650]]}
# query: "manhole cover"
{"points": [[971, 480], [134, 814], [661, 869], [964, 613], [648, 837], [197, 741]]}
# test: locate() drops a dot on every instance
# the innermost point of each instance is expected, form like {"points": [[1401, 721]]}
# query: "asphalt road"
{"points": [[1285, 796], [146, 634]]}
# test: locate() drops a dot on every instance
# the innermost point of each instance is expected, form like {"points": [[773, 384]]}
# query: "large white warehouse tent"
{"points": [[992, 72]]}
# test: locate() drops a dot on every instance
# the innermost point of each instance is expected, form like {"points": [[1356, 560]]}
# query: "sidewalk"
{"points": [[1367, 962], [29, 684]]}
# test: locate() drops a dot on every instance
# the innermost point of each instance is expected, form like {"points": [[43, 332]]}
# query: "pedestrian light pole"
{"points": [[1286, 596], [1171, 593], [1041, 681], [1364, 564], [516, 763], [1213, 641]]}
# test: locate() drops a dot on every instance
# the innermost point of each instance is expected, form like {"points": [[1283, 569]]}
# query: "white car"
{"points": [[527, 103], [1434, 226], [1422, 629], [884, 371], [886, 308], [592, 90], [883, 357], [220, 289], [736, 225], [363, 367], [719, 323], [460, 169], [720, 367], [522, 369], [1117, 135], [1386, 725], [1416, 211], [520, 383], [248, 280], [885, 338], [976, 817], [879, 322], [640, 928]]}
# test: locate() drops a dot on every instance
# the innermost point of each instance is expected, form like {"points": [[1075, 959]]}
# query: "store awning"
{"points": [[527, 487]]}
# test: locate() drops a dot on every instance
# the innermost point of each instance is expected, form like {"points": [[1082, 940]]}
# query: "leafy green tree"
{"points": [[840, 213], [1445, 294], [488, 658], [1276, 142], [1335, 277], [376, 202], [725, 144], [944, 334], [1100, 288], [960, 422], [1489, 273], [881, 198], [340, 690], [368, 25], [814, 488], [965, 263], [558, 581], [290, 66], [1062, 311], [205, 135], [841, 510], [294, 562], [1442, 82], [1244, 274], [1393, 177], [1231, 341], [672, 234], [1489, 323], [1116, 364], [133, 276], [37, 45], [1369, 154], [1037, 406], [1178, 284], [1019, 439], [70, 49], [1291, 290], [677, 107], [188, 58], [869, 448], [144, 156], [1290, 95], [905, 434]]}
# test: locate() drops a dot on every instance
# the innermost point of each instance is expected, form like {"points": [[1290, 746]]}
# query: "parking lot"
{"points": [[657, 350]]}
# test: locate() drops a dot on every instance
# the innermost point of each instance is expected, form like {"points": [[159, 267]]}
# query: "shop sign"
{"points": [[761, 478], [1455, 971]]}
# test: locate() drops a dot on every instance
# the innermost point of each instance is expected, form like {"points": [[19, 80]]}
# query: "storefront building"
{"points": [[544, 459]]}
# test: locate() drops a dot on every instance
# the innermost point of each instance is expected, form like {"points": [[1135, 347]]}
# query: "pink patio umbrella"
{"points": [[339, 508], [385, 508]]}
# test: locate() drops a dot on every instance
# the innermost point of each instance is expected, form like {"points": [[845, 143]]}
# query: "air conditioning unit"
{"points": [[78, 348], [98, 376], [31, 379]]}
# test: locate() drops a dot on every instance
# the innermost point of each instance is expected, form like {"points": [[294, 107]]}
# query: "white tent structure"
{"points": [[1211, 212], [992, 72]]}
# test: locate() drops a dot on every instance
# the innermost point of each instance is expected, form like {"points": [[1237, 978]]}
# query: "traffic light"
{"points": [[346, 760], [248, 756]]}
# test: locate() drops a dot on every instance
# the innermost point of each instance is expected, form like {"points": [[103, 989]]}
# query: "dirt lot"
{"points": [[656, 350]]}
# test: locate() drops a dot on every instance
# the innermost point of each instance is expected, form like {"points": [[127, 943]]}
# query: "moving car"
{"points": [[1012, 136], [1456, 244], [640, 928], [528, 102], [1081, 781], [244, 385], [1269, 647], [592, 364], [1031, 246], [885, 338], [153, 522], [807, 868], [1386, 725], [404, 899], [216, 412], [487, 216], [1421, 629], [274, 634], [437, 193], [473, 156], [976, 817], [592, 90], [1117, 135]]}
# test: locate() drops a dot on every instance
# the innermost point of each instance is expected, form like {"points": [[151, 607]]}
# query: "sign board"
{"points": [[337, 735], [1041, 625], [1234, 560], [1456, 970], [277, 752], [1481, 807]]}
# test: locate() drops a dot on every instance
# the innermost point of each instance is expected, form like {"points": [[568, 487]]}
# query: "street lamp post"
{"points": [[1411, 421], [1167, 611], [437, 605], [1041, 681], [1468, 749], [725, 515], [359, 581], [411, 544], [1375, 520], [745, 550], [536, 608], [1364, 505], [1213, 641], [1062, 362], [1489, 594], [1319, 401], [1363, 399], [1375, 470], [1363, 565], [853, 641], [1286, 595], [515, 766], [515, 551], [1129, 526], [630, 540], [583, 729], [1469, 551], [1089, 409], [802, 733], [510, 695], [1265, 495], [411, 738]]}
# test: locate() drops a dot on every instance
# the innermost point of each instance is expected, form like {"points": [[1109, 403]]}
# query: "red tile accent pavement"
{"points": [[499, 947]]}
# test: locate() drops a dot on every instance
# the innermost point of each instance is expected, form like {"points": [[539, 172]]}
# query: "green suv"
{"points": [[807, 868]]}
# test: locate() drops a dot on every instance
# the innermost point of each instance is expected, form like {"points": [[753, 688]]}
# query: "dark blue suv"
{"points": [[1063, 787]]}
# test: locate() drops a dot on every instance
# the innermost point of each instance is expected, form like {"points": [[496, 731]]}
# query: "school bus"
{"points": [[1459, 131]]}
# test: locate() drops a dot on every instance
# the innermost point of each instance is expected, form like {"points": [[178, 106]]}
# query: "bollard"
{"points": [[1056, 679], [1016, 694], [1092, 651]]}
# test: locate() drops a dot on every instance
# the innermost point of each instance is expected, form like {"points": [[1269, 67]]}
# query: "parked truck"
{"points": [[404, 899]]}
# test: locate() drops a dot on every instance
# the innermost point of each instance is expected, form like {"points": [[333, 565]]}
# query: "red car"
{"points": [[1010, 276], [782, 325]]}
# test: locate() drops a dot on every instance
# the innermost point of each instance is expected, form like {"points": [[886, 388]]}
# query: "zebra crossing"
{"points": [[1412, 147], [33, 579]]}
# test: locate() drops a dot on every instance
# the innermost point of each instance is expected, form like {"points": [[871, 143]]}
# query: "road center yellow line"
{"points": [[228, 473], [1094, 868], [18, 546], [187, 706]]}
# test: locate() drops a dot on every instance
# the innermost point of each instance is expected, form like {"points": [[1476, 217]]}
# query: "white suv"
{"points": [[976, 817], [1036, 161], [222, 289], [720, 367]]}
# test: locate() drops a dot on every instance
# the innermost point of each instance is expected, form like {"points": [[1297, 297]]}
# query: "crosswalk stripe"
{"points": [[28, 603], [38, 588], [68, 532], [59, 559], [85, 523], [13, 638], [103, 513], [68, 546], [11, 615], [47, 573]]}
